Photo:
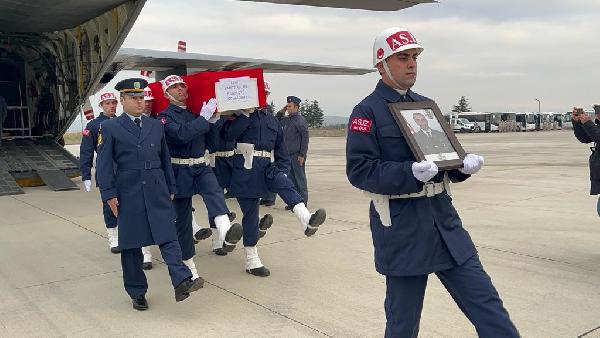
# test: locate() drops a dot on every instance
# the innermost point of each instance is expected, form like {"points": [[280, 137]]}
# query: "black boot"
{"points": [[182, 291], [316, 219], [147, 266], [233, 236], [264, 224], [202, 234], [259, 272], [140, 303]]}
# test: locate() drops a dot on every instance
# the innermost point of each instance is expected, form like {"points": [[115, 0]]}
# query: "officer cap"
{"points": [[293, 99], [132, 87]]}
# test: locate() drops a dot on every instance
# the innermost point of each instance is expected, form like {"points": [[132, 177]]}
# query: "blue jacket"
{"points": [[89, 145], [186, 136], [264, 131], [426, 234], [134, 166], [216, 142], [295, 130]]}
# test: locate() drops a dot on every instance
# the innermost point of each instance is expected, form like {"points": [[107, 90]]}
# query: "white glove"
{"points": [[215, 118], [424, 170], [88, 185], [208, 108], [471, 164]]}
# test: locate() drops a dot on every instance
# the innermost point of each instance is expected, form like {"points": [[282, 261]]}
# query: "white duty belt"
{"points": [[212, 157], [247, 150], [189, 161], [382, 202]]}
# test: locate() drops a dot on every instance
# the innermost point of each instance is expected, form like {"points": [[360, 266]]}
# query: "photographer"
{"points": [[588, 131]]}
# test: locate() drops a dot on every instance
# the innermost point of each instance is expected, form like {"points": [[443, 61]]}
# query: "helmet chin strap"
{"points": [[389, 74], [171, 98]]}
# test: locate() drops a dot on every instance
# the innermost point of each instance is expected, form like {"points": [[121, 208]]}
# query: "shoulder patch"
{"points": [[86, 132], [361, 125], [163, 120]]}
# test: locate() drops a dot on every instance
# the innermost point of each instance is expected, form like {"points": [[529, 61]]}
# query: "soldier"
{"points": [[89, 145], [295, 132], [136, 181], [186, 137], [259, 139], [416, 230]]}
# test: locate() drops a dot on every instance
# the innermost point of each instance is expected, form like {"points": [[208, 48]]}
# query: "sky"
{"points": [[500, 54]]}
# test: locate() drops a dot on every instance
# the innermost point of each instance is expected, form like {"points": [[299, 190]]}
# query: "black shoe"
{"points": [[182, 291], [140, 303], [220, 252], [202, 234], [232, 216], [232, 237], [262, 202], [287, 207], [147, 266], [228, 195], [115, 249], [265, 223], [259, 272], [316, 219]]}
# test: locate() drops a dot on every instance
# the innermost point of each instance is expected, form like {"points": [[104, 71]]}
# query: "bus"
{"points": [[484, 122], [526, 121]]}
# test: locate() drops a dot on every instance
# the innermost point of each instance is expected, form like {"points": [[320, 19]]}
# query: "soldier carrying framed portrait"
{"points": [[428, 134]]}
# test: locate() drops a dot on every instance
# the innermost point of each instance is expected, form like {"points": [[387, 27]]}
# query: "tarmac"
{"points": [[528, 211]]}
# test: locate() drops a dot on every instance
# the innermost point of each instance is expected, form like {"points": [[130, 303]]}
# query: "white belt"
{"points": [[382, 202], [188, 161], [212, 157], [224, 153], [247, 150]]}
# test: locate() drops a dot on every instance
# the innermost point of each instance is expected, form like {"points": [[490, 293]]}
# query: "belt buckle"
{"points": [[147, 165], [430, 189]]}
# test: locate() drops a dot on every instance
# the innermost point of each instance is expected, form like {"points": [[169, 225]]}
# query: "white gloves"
{"points": [[424, 170], [471, 164], [88, 185], [215, 118], [208, 109]]}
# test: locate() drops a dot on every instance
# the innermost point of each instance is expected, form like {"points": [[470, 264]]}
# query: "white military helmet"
{"points": [[171, 80], [107, 96], [392, 41], [148, 96]]}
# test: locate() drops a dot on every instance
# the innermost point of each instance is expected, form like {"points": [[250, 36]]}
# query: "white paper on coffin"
{"points": [[236, 93]]}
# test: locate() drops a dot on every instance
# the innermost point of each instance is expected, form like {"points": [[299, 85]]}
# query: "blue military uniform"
{"points": [[295, 131], [426, 234], [186, 137], [134, 167], [221, 152], [249, 185], [89, 145]]}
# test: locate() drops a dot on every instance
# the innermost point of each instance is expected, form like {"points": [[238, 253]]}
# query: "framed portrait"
{"points": [[428, 134]]}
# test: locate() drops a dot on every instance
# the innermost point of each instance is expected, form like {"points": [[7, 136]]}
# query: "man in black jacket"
{"points": [[588, 131]]}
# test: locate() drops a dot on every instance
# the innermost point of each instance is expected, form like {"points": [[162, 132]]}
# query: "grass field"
{"points": [[72, 138]]}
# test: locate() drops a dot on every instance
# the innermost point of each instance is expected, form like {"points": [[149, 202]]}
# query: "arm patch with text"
{"points": [[361, 125]]}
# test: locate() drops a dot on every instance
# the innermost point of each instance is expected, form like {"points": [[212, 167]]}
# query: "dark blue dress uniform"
{"points": [[249, 185], [295, 131], [134, 166], [89, 145], [221, 151], [426, 235], [186, 137]]}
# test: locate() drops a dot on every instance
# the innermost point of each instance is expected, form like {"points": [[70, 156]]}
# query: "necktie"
{"points": [[137, 122]]}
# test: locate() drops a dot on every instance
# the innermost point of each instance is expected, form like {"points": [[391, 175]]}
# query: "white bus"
{"points": [[526, 121], [484, 122]]}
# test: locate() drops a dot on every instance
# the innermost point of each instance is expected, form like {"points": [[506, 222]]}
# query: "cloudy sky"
{"points": [[500, 54]]}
